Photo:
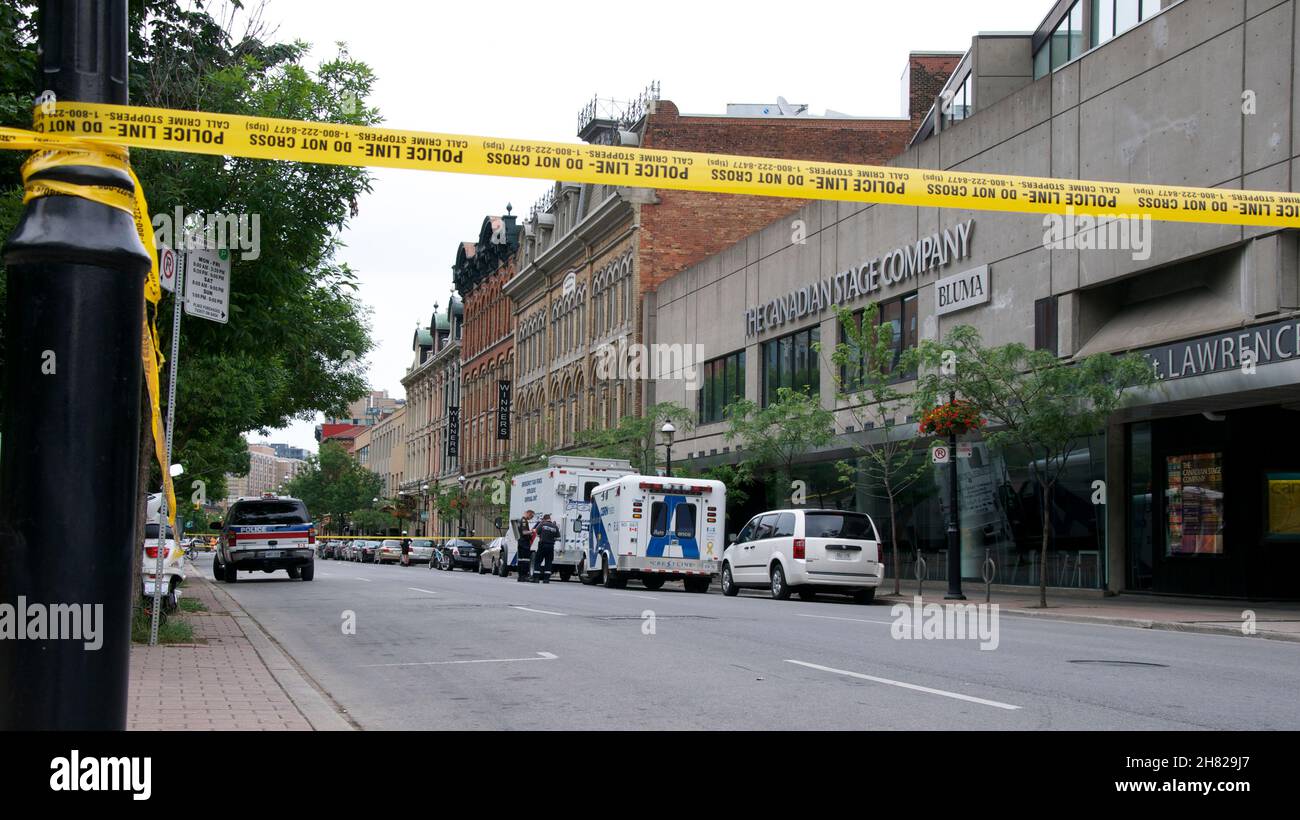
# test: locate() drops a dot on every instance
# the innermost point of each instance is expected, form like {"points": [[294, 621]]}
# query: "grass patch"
{"points": [[171, 629], [191, 605]]}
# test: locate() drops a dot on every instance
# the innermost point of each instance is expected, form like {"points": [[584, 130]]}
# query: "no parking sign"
{"points": [[940, 454], [167, 269]]}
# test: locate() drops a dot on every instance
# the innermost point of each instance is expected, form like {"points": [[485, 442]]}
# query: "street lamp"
{"points": [[668, 430], [461, 481]]}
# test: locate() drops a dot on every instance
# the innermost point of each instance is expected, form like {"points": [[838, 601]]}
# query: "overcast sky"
{"points": [[525, 71]]}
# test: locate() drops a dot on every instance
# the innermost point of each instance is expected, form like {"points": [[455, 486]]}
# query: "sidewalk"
{"points": [[227, 679], [1272, 619]]}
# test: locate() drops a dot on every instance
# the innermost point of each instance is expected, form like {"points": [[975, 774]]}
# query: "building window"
{"points": [[791, 361], [901, 315], [724, 383], [959, 106], [1045, 325]]}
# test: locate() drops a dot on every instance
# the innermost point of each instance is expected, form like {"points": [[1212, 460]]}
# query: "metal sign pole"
{"points": [[178, 297]]}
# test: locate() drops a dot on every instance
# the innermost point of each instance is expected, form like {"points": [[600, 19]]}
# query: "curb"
{"points": [[309, 699], [1136, 623]]}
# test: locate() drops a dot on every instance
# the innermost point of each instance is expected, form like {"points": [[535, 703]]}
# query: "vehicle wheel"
{"points": [[611, 577], [780, 589], [481, 571], [729, 587], [864, 596], [700, 585], [652, 582], [505, 570], [308, 572], [295, 573], [232, 575], [170, 601], [218, 570], [807, 595], [566, 574]]}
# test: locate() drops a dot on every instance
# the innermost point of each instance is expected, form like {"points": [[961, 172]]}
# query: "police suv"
{"points": [[266, 533]]}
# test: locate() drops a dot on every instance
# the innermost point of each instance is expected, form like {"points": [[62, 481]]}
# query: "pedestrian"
{"points": [[547, 534], [406, 552], [524, 552]]}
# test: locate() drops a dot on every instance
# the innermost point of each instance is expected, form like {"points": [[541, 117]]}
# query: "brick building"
{"points": [[487, 361], [432, 385]]}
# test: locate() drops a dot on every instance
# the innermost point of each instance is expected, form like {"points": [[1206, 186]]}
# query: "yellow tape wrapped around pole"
{"points": [[50, 153], [354, 145]]}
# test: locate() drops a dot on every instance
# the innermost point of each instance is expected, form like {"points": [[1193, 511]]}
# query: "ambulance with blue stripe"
{"points": [[655, 529]]}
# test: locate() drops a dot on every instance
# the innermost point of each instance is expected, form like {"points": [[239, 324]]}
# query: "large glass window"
{"points": [[723, 382], [791, 361], [1061, 43], [901, 315], [684, 517]]}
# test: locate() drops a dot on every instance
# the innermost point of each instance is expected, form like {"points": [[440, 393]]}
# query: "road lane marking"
{"points": [[634, 595], [912, 686], [542, 656], [359, 578], [835, 618], [417, 589], [540, 611]]}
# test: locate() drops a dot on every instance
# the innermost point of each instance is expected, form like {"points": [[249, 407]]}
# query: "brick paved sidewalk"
{"points": [[1271, 619], [218, 682]]}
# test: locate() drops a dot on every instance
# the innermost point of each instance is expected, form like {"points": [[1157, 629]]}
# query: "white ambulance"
{"points": [[656, 529], [563, 489]]}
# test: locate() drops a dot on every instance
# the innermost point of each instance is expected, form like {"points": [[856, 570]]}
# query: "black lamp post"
{"points": [[462, 505], [954, 536], [668, 430]]}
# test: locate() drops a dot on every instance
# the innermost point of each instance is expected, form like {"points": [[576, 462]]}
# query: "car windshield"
{"points": [[837, 525], [277, 511]]}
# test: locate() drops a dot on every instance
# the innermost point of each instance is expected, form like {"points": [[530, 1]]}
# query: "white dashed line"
{"points": [[539, 611], [542, 656], [417, 589]]}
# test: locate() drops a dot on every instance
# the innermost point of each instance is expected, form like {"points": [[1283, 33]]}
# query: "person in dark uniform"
{"points": [[547, 534], [526, 536], [406, 552]]}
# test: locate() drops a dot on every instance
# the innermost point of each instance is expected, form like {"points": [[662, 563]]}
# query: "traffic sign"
{"points": [[940, 454], [167, 269], [207, 284], [964, 449]]}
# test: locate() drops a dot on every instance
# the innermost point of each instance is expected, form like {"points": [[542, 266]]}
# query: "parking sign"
{"points": [[940, 454], [167, 269]]}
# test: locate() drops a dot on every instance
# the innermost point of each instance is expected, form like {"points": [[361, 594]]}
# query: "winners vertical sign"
{"points": [[503, 410], [453, 432]]}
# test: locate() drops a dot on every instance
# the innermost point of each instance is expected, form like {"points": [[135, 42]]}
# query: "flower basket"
{"points": [[951, 419]]}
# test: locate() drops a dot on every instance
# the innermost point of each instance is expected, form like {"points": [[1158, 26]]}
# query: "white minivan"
{"points": [[805, 551]]}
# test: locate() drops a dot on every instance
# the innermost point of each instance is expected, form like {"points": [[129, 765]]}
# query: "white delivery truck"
{"points": [[656, 529], [563, 489]]}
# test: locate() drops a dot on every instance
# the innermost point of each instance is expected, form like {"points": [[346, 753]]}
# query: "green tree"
{"points": [[1032, 401], [370, 521], [636, 438], [778, 435], [333, 483], [866, 371], [297, 330]]}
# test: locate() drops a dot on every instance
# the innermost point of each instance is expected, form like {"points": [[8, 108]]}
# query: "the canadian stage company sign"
{"points": [[886, 271]]}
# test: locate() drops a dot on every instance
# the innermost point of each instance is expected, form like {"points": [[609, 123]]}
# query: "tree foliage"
{"points": [[297, 330], [334, 484], [1032, 400], [775, 437], [866, 371]]}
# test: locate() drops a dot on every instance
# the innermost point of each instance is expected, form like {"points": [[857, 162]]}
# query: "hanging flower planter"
{"points": [[953, 418]]}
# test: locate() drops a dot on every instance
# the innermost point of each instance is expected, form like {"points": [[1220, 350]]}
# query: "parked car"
{"points": [[390, 550], [492, 558], [455, 552], [173, 574], [421, 551], [267, 533], [805, 551], [365, 551], [343, 551], [324, 549]]}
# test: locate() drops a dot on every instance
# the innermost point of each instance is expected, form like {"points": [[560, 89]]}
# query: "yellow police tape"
{"points": [[96, 134], [51, 153], [268, 138]]}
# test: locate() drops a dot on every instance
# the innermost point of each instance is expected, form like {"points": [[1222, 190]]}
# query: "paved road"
{"points": [[439, 650]]}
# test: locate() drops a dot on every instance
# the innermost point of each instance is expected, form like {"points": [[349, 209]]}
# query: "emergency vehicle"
{"points": [[267, 533], [656, 529], [563, 489]]}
